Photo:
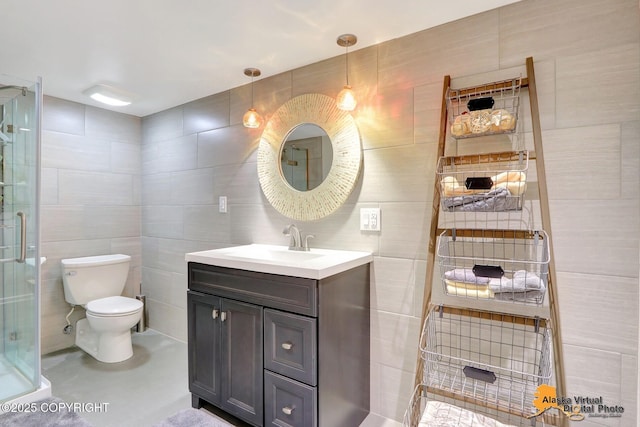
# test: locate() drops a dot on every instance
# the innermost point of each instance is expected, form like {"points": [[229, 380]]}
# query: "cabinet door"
{"points": [[204, 346], [242, 375]]}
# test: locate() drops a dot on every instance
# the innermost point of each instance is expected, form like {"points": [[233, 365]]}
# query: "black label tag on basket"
{"points": [[479, 374], [480, 103], [494, 271], [478, 183]]}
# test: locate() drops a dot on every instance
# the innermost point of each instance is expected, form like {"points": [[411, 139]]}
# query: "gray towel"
{"points": [[497, 200]]}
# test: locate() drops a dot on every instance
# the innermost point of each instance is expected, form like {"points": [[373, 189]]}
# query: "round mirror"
{"points": [[306, 156], [293, 120]]}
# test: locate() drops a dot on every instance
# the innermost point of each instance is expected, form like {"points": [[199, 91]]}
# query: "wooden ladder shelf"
{"points": [[553, 322]]}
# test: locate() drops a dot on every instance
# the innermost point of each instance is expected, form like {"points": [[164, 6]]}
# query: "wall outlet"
{"points": [[222, 204], [370, 219]]}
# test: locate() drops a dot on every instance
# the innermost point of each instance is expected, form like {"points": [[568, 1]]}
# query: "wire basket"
{"points": [[484, 110], [492, 361], [484, 182], [427, 409], [502, 265]]}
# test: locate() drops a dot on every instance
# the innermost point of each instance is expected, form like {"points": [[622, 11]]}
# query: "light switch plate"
{"points": [[370, 219], [222, 204]]}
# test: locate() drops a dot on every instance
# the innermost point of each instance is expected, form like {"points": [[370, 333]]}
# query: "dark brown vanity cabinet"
{"points": [[277, 350]]}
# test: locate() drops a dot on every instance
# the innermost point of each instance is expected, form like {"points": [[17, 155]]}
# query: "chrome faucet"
{"points": [[296, 243]]}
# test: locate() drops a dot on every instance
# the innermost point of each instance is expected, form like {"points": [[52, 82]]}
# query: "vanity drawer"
{"points": [[290, 345], [288, 402], [295, 294]]}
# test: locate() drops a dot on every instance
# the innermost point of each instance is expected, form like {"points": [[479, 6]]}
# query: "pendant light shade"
{"points": [[252, 119], [346, 99]]}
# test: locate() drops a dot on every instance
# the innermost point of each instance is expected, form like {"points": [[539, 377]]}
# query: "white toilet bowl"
{"points": [[106, 332], [95, 283]]}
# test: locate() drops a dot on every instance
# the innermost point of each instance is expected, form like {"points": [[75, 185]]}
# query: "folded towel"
{"points": [[497, 200], [465, 275], [500, 284], [469, 290], [519, 296], [515, 181], [443, 414], [516, 188], [522, 281]]}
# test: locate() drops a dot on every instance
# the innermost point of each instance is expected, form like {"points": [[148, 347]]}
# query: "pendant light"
{"points": [[346, 99], [251, 118]]}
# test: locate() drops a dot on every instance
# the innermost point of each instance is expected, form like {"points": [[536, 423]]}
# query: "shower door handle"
{"points": [[23, 237]]}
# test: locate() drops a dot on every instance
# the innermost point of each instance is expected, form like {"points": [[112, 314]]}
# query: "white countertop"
{"points": [[313, 264]]}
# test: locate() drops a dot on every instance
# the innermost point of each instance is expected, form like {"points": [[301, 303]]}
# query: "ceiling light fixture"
{"points": [[251, 118], [109, 95], [346, 99]]}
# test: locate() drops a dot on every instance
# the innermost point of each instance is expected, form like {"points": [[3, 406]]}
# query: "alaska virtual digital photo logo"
{"points": [[575, 408]]}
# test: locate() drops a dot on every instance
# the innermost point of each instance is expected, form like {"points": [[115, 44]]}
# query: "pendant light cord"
{"points": [[346, 70]]}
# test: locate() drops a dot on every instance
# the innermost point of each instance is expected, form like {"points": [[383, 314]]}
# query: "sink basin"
{"points": [[314, 264]]}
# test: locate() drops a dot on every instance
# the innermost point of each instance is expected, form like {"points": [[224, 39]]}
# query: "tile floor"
{"points": [[141, 391]]}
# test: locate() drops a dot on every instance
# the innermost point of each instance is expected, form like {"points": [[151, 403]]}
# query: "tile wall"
{"points": [[587, 59], [90, 200]]}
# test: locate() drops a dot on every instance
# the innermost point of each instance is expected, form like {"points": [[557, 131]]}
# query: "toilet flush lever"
{"points": [[71, 273]]}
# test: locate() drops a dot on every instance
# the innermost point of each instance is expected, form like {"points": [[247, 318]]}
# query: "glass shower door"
{"points": [[19, 237]]}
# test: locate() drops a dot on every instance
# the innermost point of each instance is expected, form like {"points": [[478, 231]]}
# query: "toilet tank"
{"points": [[89, 278]]}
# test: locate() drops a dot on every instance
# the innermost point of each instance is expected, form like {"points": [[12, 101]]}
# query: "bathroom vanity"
{"points": [[278, 337]]}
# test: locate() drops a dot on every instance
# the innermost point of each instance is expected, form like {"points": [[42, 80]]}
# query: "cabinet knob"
{"points": [[223, 316], [287, 345], [287, 410], [215, 313]]}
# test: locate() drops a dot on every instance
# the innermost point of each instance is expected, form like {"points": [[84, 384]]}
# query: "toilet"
{"points": [[96, 282]]}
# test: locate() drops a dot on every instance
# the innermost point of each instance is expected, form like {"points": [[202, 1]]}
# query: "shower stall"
{"points": [[20, 111]]}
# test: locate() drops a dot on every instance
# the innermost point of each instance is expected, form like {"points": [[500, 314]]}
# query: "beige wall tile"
{"points": [[230, 145], [164, 125], [547, 28], [192, 187], [394, 340], [630, 153], [69, 151], [456, 49], [114, 126], [125, 158], [59, 115], [595, 373], [170, 155], [394, 390], [95, 188], [393, 285], [163, 221], [583, 244], [610, 304], [388, 120], [583, 163], [594, 87], [397, 174], [206, 113]]}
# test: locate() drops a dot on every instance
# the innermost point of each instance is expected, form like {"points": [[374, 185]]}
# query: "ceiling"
{"points": [[168, 52]]}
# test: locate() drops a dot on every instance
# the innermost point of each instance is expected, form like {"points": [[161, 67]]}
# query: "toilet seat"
{"points": [[113, 306]]}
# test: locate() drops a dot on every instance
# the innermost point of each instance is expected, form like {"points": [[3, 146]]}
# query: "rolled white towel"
{"points": [[523, 281], [527, 281], [501, 284], [465, 275]]}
